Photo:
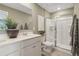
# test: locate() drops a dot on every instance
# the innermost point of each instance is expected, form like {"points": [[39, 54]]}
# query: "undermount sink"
{"points": [[26, 32], [2, 40]]}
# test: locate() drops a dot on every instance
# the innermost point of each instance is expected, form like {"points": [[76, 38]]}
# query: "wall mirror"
{"points": [[3, 16]]}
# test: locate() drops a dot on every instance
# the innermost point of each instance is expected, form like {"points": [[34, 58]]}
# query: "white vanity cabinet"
{"points": [[26, 47], [33, 49]]}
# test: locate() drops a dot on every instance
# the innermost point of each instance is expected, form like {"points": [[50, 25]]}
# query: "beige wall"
{"points": [[61, 13], [22, 18], [31, 20], [76, 9], [40, 11], [18, 16], [37, 10]]}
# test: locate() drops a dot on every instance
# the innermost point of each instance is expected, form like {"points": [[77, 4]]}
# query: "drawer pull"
{"points": [[33, 46]]}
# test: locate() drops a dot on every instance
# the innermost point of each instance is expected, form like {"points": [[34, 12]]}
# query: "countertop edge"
{"points": [[18, 39]]}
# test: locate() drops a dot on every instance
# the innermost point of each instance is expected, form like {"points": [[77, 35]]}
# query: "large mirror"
{"points": [[3, 16]]}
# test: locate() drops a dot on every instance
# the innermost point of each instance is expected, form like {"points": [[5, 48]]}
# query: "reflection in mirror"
{"points": [[3, 16]]}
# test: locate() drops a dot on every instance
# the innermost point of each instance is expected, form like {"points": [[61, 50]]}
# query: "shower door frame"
{"points": [[58, 44], [55, 40]]}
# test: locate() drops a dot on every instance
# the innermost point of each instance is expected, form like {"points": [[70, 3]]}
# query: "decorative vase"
{"points": [[12, 33]]}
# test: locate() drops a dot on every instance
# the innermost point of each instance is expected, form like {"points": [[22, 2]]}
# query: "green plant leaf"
{"points": [[10, 23]]}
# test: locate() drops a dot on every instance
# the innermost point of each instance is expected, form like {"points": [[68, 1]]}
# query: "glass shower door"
{"points": [[63, 33]]}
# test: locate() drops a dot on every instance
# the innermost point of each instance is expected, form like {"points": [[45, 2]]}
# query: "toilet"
{"points": [[48, 47], [48, 44]]}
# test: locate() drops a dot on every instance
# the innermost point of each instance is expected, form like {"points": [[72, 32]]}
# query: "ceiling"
{"points": [[50, 7], [53, 7], [20, 6]]}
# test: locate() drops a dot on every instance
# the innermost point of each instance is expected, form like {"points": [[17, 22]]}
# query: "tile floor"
{"points": [[59, 53], [56, 53]]}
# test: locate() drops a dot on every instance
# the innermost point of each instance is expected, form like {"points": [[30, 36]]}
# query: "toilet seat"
{"points": [[48, 44]]}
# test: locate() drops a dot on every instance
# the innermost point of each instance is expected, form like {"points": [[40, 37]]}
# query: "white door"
{"points": [[63, 32], [50, 30]]}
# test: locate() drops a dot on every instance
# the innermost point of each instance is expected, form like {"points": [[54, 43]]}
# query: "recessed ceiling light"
{"points": [[58, 8]]}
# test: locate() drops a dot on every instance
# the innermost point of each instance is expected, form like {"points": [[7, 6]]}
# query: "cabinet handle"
{"points": [[33, 46]]}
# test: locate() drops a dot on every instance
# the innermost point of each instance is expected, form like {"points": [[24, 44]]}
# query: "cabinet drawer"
{"points": [[29, 42], [33, 50], [7, 49]]}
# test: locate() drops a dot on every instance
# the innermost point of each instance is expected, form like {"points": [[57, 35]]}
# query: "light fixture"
{"points": [[58, 8]]}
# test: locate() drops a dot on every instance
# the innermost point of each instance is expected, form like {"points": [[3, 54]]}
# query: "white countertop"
{"points": [[18, 39]]}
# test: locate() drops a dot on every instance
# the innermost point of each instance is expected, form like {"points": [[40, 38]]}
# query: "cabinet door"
{"points": [[33, 50], [7, 49], [40, 23]]}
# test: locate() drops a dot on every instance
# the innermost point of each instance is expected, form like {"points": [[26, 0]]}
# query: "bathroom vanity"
{"points": [[29, 45]]}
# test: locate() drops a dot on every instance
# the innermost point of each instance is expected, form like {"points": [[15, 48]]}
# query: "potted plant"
{"points": [[11, 28]]}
